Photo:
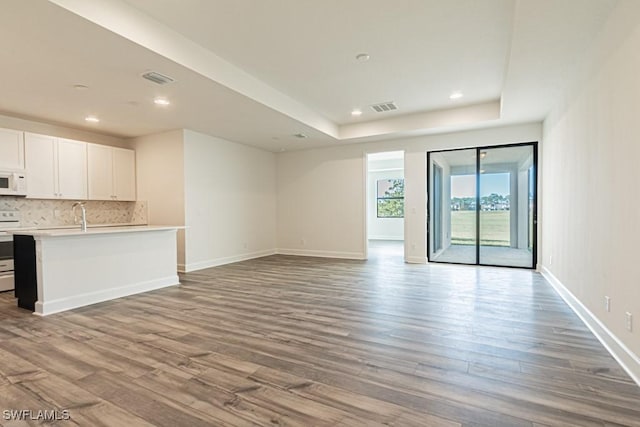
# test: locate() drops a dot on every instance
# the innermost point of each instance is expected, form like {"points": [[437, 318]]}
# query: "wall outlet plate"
{"points": [[607, 304], [629, 321]]}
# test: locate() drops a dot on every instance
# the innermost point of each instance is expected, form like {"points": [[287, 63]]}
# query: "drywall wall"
{"points": [[160, 180], [591, 191], [321, 192], [383, 228], [230, 201], [223, 192], [34, 126]]}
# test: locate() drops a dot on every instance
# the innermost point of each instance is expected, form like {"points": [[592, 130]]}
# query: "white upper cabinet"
{"points": [[40, 153], [72, 169], [56, 167], [100, 166], [112, 173], [11, 149], [124, 174]]}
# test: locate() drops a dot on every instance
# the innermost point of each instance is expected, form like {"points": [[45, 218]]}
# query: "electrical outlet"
{"points": [[629, 321], [550, 259], [303, 242], [607, 304], [245, 245]]}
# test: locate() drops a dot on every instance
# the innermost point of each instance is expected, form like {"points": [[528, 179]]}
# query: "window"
{"points": [[390, 197]]}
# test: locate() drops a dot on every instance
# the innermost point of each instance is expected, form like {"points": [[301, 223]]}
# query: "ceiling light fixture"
{"points": [[363, 57], [356, 112], [80, 87], [92, 119], [456, 95], [300, 135], [161, 101]]}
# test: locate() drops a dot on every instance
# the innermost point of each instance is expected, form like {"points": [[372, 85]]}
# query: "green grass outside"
{"points": [[494, 228]]}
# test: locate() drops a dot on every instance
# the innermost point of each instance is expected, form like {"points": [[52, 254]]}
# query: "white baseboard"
{"points": [[395, 238], [63, 304], [629, 361], [200, 265], [415, 260], [322, 254]]}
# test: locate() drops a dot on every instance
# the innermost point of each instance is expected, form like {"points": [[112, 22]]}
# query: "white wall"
{"points": [[34, 126], [383, 228], [591, 187], [321, 202], [223, 192], [230, 201], [321, 192], [160, 180]]}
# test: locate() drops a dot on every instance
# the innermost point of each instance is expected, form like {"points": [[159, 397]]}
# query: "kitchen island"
{"points": [[61, 269]]}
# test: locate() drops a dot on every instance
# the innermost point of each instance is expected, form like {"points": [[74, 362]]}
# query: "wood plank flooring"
{"points": [[294, 341]]}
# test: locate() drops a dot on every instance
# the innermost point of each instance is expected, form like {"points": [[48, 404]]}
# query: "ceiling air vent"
{"points": [[158, 78], [384, 107]]}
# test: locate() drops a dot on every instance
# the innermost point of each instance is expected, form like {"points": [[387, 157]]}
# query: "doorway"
{"points": [[385, 206], [482, 209]]}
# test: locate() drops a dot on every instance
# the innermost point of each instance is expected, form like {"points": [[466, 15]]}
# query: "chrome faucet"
{"points": [[83, 219]]}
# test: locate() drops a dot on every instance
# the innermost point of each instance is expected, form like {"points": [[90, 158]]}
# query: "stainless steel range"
{"points": [[8, 220]]}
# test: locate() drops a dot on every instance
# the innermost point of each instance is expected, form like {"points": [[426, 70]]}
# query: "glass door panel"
{"points": [[452, 206], [506, 206]]}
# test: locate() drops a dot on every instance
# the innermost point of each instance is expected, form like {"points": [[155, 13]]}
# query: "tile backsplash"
{"points": [[48, 213]]}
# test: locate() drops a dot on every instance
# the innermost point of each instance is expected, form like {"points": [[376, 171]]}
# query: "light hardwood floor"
{"points": [[301, 341]]}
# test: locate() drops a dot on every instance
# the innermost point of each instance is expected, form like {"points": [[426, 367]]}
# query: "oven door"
{"points": [[6, 253], [6, 262]]}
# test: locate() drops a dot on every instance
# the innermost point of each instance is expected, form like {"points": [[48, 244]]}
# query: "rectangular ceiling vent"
{"points": [[384, 107], [158, 78]]}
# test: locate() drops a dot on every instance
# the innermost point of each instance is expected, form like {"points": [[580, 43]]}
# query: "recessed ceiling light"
{"points": [[80, 87], [456, 95], [363, 57], [356, 112], [300, 135], [92, 119], [161, 101]]}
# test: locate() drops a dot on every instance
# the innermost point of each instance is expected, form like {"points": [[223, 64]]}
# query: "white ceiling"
{"points": [[257, 72]]}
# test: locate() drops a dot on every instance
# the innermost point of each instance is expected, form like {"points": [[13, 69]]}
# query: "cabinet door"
{"points": [[72, 169], [40, 158], [100, 172], [11, 149], [124, 174]]}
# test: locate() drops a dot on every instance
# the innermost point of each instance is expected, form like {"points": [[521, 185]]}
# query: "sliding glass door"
{"points": [[482, 208], [452, 209]]}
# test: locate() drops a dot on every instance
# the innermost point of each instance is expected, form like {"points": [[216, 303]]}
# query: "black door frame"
{"points": [[534, 145]]}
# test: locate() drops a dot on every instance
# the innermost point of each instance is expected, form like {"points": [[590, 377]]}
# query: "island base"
{"points": [[54, 273]]}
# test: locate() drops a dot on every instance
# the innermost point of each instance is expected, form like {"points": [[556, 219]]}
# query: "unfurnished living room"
{"points": [[319, 213]]}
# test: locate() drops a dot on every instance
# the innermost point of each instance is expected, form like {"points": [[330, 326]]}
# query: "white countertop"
{"points": [[62, 227], [62, 232]]}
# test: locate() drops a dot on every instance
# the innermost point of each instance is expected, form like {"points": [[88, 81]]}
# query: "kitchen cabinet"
{"points": [[11, 149], [112, 173], [56, 167]]}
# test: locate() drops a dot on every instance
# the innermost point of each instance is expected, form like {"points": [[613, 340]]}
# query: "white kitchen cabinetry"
{"points": [[56, 167], [112, 173], [11, 149]]}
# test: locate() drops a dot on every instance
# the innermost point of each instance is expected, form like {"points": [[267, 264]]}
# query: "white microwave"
{"points": [[13, 184]]}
